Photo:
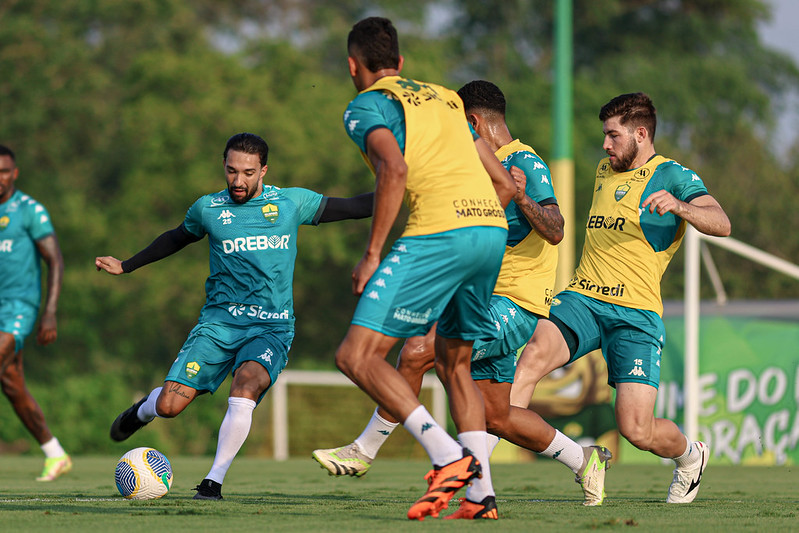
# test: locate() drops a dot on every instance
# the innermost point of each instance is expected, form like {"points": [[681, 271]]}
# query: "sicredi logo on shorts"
{"points": [[256, 242]]}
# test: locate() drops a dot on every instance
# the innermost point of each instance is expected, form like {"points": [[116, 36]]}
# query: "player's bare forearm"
{"points": [[51, 254], [391, 175], [546, 220], [703, 213]]}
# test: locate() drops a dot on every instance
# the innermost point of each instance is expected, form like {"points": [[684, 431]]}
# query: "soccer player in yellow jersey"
{"points": [[415, 137], [642, 202], [522, 296]]}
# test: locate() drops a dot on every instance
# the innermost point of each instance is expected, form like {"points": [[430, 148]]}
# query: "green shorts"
{"points": [[213, 350], [496, 359], [17, 318], [446, 277], [631, 339]]}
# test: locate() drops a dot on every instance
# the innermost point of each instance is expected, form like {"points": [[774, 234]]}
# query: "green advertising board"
{"points": [[748, 387]]}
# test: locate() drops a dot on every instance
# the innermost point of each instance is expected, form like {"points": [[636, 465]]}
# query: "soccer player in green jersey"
{"points": [[415, 137], [26, 238], [521, 297], [247, 323], [642, 203]]}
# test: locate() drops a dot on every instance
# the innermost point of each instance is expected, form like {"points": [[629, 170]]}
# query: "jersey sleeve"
{"points": [[372, 110], [38, 220], [309, 204], [193, 222], [683, 183], [539, 181]]}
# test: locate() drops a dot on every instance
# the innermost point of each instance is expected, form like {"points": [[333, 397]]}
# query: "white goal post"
{"points": [[279, 393], [693, 256]]}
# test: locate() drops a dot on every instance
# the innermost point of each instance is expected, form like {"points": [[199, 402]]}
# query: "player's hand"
{"points": [[112, 265], [47, 331], [520, 179], [363, 271], [663, 202]]}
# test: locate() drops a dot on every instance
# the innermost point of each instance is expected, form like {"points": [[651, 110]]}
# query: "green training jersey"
{"points": [[23, 221], [253, 247]]}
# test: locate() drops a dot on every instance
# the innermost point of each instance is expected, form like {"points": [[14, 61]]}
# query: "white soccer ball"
{"points": [[143, 474]]}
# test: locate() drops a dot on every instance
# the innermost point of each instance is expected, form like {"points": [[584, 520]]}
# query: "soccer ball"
{"points": [[143, 474]]}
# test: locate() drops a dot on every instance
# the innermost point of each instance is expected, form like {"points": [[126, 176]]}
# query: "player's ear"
{"points": [[400, 64], [641, 133], [263, 171], [353, 65]]}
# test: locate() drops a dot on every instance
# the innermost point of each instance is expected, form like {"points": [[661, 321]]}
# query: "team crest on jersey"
{"points": [[192, 368], [4, 221], [621, 190], [270, 212]]}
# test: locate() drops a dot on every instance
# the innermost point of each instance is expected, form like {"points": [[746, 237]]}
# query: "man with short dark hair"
{"points": [[26, 238], [415, 137], [522, 296], [247, 323], [642, 203]]}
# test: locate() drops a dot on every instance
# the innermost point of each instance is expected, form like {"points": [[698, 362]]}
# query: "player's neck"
{"points": [[644, 155], [496, 134]]}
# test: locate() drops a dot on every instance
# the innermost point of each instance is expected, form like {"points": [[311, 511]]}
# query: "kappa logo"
{"points": [[267, 356], [387, 271], [402, 248], [545, 179], [373, 295], [226, 216], [426, 426], [394, 259], [694, 177], [380, 283], [637, 370], [270, 212], [352, 124]]}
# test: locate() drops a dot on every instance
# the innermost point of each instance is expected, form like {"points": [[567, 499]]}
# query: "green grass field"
{"points": [[296, 495]]}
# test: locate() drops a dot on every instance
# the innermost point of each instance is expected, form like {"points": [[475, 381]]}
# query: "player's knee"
{"points": [[167, 409], [639, 435]]}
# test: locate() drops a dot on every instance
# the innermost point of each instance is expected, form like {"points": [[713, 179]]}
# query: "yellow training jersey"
{"points": [[527, 276], [627, 248], [447, 186]]}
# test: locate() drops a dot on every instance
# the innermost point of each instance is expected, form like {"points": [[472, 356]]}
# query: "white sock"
{"points": [[52, 448], [375, 434], [492, 441], [441, 448], [565, 450], [477, 443], [685, 458], [146, 410], [232, 434]]}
